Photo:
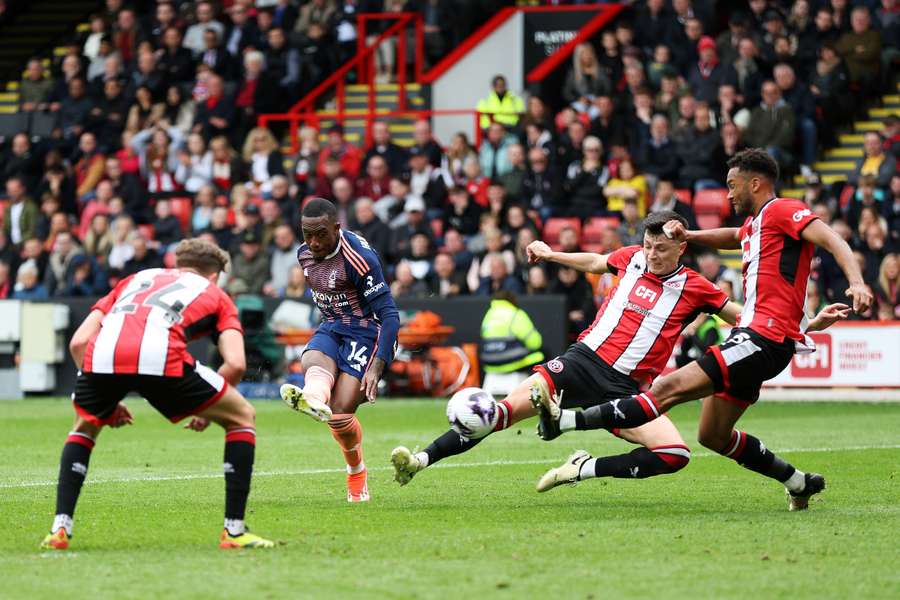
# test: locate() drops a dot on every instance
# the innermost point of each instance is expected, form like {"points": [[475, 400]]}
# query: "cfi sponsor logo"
{"points": [[798, 216], [556, 366]]}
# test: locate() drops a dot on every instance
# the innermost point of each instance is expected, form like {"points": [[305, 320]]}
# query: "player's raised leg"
{"points": [[514, 408], [238, 418], [319, 377], [716, 432], [663, 452], [347, 432]]}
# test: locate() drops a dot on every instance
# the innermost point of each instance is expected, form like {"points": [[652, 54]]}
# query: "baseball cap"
{"points": [[706, 43], [414, 203]]}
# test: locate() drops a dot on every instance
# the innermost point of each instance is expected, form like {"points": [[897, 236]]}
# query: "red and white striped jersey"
{"points": [[639, 322], [776, 264], [149, 318]]}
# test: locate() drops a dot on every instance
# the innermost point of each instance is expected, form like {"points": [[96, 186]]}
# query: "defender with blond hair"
{"points": [[135, 340]]}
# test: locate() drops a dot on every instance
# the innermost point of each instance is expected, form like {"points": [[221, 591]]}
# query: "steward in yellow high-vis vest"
{"points": [[506, 104], [509, 340]]}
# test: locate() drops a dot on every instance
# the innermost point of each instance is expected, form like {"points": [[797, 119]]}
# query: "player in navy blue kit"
{"points": [[355, 343]]}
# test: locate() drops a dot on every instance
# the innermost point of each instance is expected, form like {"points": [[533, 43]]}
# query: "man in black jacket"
{"points": [[656, 155]]}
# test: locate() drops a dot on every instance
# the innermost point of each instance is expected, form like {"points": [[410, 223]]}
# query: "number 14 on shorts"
{"points": [[358, 357]]}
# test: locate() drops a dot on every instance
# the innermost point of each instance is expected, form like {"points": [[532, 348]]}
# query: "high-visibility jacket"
{"points": [[509, 340], [508, 109]]}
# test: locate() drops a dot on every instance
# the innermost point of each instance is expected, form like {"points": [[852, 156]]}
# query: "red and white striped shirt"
{"points": [[776, 269], [639, 322], [149, 318]]}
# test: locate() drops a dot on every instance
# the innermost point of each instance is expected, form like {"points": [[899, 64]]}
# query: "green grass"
{"points": [[472, 527]]}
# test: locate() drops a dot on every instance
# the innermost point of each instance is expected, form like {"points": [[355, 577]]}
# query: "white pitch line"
{"points": [[492, 463]]}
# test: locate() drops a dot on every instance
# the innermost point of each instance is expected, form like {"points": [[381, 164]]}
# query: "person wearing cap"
{"points": [[346, 153], [708, 73], [415, 222], [251, 264], [500, 105], [426, 181]]}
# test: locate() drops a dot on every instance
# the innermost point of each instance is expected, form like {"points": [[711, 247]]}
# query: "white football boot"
{"points": [[293, 397], [566, 473], [405, 463]]}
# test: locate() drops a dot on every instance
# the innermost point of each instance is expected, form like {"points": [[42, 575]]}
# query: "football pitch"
{"points": [[149, 517]]}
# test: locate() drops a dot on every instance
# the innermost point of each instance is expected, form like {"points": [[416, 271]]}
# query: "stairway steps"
{"points": [[883, 113], [867, 126], [844, 153], [791, 193], [848, 139], [835, 165], [826, 178]]}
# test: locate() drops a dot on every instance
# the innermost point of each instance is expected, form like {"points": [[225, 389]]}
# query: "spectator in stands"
{"points": [[729, 144], [892, 211], [628, 184], [143, 112], [283, 257], [204, 203], [414, 222], [875, 161], [631, 229], [749, 72], [462, 213], [35, 88], [586, 80], [270, 220], [571, 140], [585, 181], [20, 160], [695, 148], [861, 49], [656, 156], [73, 112], [250, 266], [580, 307], [127, 34], [84, 278], [64, 250], [108, 117], [214, 115], [426, 181], [446, 281], [263, 157], [541, 188], [605, 126], [373, 229], [166, 228], [20, 216], [804, 106], [227, 168], [498, 278], [28, 285], [319, 12], [772, 125], [99, 29], [376, 183], [143, 257], [242, 33], [887, 289], [175, 61], [121, 250], [424, 140], [217, 58], [382, 146], [494, 154], [194, 38], [501, 105], [475, 181], [457, 152], [296, 286], [708, 73], [349, 155], [194, 169], [283, 65], [220, 229], [98, 241], [405, 284], [667, 200], [866, 195], [90, 165]]}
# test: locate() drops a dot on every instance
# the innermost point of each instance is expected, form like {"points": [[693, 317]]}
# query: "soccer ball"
{"points": [[472, 413]]}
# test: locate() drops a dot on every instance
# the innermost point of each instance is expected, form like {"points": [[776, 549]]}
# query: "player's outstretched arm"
{"points": [[586, 262], [231, 347], [828, 316], [724, 238], [822, 235]]}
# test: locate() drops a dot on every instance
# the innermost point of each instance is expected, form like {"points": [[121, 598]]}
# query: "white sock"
{"points": [[357, 469], [796, 482], [235, 527], [64, 521], [422, 457], [588, 469], [567, 420]]}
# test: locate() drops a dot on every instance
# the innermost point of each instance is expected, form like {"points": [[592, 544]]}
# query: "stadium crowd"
{"points": [[155, 139]]}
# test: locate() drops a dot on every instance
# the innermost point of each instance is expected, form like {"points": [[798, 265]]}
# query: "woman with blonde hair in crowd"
{"points": [[194, 164], [459, 150], [121, 251], [887, 290], [481, 267], [204, 203], [98, 241], [264, 158], [586, 80]]}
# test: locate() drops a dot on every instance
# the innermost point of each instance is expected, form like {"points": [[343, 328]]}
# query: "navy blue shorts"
{"points": [[351, 347]]}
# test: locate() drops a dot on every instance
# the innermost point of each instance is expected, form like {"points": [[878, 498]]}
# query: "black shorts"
{"points": [[97, 394], [583, 379], [739, 365]]}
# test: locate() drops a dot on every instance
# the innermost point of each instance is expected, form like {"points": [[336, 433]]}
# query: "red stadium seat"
{"points": [[3, 205], [684, 195], [712, 202], [594, 228], [146, 231], [182, 208], [554, 226], [709, 220], [592, 247]]}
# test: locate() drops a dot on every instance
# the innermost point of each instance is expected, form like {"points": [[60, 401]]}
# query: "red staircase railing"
{"points": [[364, 63]]}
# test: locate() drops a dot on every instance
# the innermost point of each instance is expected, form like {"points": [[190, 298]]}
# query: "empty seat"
{"points": [[182, 208], [594, 228], [684, 195], [554, 226], [712, 202], [709, 220]]}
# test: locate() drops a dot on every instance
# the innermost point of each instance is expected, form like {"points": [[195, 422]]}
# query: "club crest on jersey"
{"points": [[555, 366], [332, 278]]}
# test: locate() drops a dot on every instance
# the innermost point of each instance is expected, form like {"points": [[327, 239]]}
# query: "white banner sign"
{"points": [[847, 354]]}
